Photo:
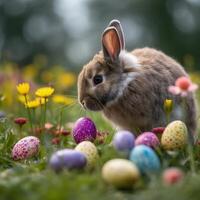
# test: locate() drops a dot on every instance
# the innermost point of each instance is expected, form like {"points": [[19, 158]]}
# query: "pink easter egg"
{"points": [[148, 139], [25, 148]]}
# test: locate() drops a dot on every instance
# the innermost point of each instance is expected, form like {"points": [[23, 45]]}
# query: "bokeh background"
{"points": [[67, 32], [47, 42]]}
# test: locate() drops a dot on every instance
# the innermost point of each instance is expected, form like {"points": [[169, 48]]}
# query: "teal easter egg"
{"points": [[145, 158]]}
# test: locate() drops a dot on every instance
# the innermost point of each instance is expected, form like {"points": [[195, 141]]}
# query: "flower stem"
{"points": [[168, 117], [60, 119], [45, 110], [20, 131], [29, 113], [191, 158]]}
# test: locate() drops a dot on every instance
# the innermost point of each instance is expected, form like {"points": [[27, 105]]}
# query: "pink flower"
{"points": [[172, 175], [183, 86], [48, 126]]}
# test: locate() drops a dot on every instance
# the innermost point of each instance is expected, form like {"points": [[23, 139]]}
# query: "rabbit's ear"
{"points": [[116, 23], [111, 44]]}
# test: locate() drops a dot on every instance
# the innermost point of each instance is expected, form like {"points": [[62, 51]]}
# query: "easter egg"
{"points": [[67, 159], [123, 141], [84, 129], [25, 148], [148, 139], [90, 152], [174, 136], [120, 173], [172, 175], [145, 158]]}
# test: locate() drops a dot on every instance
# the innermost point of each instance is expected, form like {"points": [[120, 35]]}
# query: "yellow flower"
{"points": [[66, 80], [61, 99], [168, 106], [33, 104], [44, 92], [30, 71], [23, 88]]}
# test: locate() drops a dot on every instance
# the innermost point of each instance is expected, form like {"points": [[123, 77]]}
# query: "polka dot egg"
{"points": [[175, 136], [25, 148], [90, 152]]}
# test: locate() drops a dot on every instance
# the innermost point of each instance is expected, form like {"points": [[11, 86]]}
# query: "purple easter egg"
{"points": [[148, 139], [26, 148], [67, 159], [123, 141], [84, 129]]}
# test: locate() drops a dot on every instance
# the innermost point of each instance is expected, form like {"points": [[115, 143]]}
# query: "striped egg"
{"points": [[175, 136], [90, 152], [25, 148]]}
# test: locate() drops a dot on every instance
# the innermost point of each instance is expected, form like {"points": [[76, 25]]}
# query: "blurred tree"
{"points": [[28, 28], [68, 32]]}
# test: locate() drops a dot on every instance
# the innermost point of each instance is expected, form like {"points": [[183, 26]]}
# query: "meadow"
{"points": [[52, 122]]}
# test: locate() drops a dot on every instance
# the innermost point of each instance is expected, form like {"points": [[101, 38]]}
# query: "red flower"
{"points": [[101, 136], [20, 120], [158, 130], [55, 140], [65, 132]]}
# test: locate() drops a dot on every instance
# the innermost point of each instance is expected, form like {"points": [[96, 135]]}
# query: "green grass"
{"points": [[33, 179]]}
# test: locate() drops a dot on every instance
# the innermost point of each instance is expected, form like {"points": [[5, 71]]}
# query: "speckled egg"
{"points": [[123, 141], [145, 158], [175, 136], [148, 139], [90, 152], [67, 159], [84, 129], [25, 148], [120, 173]]}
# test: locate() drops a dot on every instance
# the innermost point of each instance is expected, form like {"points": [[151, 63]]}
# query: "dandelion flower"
{"points": [[44, 92], [61, 99], [183, 86], [67, 79], [33, 104], [23, 88]]}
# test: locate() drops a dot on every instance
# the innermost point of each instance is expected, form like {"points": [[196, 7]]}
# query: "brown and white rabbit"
{"points": [[130, 88]]}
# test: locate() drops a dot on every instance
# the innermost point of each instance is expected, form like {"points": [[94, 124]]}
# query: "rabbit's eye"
{"points": [[97, 79]]}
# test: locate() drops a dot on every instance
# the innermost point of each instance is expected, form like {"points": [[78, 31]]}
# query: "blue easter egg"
{"points": [[145, 158], [67, 159], [123, 141]]}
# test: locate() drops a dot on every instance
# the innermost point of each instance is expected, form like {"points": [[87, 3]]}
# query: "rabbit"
{"points": [[130, 88]]}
